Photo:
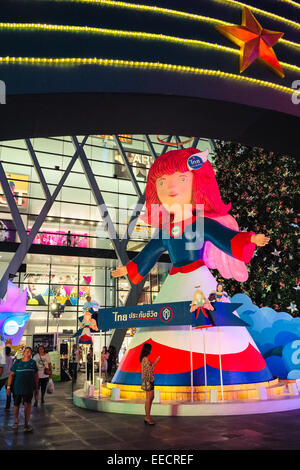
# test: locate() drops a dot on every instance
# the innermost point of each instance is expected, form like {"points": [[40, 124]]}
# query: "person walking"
{"points": [[112, 361], [90, 363], [4, 374], [26, 383], [104, 361], [148, 380], [74, 360], [69, 238], [43, 363]]}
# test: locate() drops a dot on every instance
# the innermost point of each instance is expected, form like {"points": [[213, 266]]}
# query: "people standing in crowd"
{"points": [[104, 361], [90, 363], [26, 382], [43, 363], [74, 360], [148, 380], [111, 361], [4, 374]]}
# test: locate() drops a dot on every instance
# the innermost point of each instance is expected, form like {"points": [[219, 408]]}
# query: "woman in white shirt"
{"points": [[43, 363]]}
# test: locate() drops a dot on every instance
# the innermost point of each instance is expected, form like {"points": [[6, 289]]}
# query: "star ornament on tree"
{"points": [[255, 42], [292, 307], [276, 253]]}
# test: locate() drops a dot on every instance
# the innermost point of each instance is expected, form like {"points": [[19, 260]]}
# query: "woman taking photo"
{"points": [[148, 379]]}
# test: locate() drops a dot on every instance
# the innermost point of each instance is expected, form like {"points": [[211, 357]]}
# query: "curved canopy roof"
{"points": [[84, 66]]}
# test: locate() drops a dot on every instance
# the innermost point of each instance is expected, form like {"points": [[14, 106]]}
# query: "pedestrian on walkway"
{"points": [[69, 238], [104, 361], [74, 360], [43, 363], [26, 383], [90, 363], [4, 373], [148, 379], [111, 361]]}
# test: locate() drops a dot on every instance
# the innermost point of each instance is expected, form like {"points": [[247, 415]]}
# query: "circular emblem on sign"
{"points": [[194, 162], [175, 230], [166, 314]]}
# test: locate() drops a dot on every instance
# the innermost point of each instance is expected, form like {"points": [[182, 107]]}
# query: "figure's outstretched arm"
{"points": [[140, 266], [239, 245]]}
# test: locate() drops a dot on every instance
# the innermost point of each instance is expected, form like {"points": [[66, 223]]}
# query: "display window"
{"points": [[37, 288]]}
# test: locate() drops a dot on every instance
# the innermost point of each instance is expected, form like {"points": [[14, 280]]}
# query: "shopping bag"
{"points": [[50, 387]]}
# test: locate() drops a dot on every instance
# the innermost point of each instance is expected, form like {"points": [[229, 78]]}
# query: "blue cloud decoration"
{"points": [[276, 334]]}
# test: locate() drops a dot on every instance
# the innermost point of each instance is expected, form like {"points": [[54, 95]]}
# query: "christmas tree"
{"points": [[262, 188]]}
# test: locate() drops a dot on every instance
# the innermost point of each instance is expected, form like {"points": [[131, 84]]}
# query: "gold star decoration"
{"points": [[256, 43]]}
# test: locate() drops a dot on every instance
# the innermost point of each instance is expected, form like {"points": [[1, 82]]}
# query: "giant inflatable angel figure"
{"points": [[182, 190]]}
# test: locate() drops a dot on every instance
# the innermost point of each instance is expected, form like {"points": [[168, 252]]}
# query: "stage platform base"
{"points": [[285, 401]]}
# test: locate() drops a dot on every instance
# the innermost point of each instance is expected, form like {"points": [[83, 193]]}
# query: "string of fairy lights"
{"points": [[116, 32], [273, 16], [130, 34], [194, 16], [291, 2], [143, 64]]}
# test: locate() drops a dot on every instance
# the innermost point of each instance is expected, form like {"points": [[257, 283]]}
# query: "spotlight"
{"points": [[57, 309]]}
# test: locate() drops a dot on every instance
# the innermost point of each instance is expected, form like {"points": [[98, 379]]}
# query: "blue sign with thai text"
{"points": [[172, 313]]}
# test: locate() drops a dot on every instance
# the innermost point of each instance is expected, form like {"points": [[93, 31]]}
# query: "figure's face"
{"points": [[220, 288], [175, 189]]}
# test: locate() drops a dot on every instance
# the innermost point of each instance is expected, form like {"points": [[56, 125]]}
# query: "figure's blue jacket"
{"points": [[185, 243]]}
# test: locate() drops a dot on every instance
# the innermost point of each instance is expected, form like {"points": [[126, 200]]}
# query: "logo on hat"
{"points": [[195, 161]]}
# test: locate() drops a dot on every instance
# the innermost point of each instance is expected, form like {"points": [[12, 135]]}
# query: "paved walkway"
{"points": [[59, 425]]}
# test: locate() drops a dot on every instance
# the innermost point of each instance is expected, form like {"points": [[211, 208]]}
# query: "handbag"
{"points": [[46, 369], [146, 385]]}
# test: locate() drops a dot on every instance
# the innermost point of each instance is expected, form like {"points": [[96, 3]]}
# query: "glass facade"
{"points": [[74, 221]]}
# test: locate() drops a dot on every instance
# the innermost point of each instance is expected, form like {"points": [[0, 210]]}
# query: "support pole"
{"points": [[93, 372], [100, 349], [204, 353], [57, 324], [86, 361], [220, 361], [192, 368]]}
